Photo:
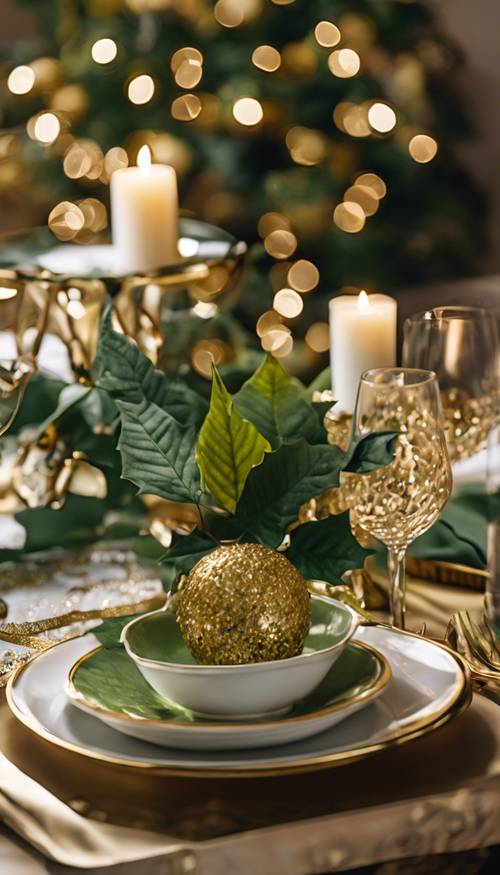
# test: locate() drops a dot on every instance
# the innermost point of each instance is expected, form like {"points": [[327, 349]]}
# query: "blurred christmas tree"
{"points": [[324, 132]]}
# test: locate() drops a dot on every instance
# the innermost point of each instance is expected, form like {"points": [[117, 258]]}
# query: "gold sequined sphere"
{"points": [[244, 603]]}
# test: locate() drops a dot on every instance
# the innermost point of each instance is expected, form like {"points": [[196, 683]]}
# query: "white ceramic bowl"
{"points": [[237, 692]]}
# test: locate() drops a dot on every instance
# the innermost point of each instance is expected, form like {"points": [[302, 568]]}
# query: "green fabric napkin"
{"points": [[460, 534]]}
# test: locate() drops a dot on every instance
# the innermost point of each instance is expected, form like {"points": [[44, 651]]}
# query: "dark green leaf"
{"points": [[326, 549], [40, 399], [157, 452], [228, 448], [185, 551], [286, 479], [128, 375], [371, 451], [70, 397], [275, 403], [109, 631]]}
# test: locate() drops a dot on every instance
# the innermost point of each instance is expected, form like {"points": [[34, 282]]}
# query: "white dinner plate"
{"points": [[429, 686]]}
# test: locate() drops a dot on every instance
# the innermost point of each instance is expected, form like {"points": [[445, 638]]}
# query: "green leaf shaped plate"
{"points": [[108, 685]]}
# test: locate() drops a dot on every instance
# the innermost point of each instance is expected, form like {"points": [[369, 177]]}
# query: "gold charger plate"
{"points": [[323, 760], [449, 573]]}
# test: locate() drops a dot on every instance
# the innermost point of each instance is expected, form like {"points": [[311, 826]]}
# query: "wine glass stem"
{"points": [[396, 566]]}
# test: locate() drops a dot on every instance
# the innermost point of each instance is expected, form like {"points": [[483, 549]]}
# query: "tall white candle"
{"points": [[144, 211], [362, 336]]}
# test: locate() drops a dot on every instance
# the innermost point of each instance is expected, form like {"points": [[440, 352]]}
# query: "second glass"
{"points": [[397, 503]]}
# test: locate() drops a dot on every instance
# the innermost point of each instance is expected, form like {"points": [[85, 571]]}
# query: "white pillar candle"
{"points": [[144, 211], [362, 336]]}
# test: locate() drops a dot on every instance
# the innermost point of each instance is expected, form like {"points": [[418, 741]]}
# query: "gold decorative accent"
{"points": [[379, 684], [449, 573], [244, 603], [23, 633], [417, 729], [471, 635]]}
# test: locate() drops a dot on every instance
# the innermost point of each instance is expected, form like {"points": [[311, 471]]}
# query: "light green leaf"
{"points": [[157, 452], [286, 479], [228, 448], [275, 403], [123, 370], [326, 549]]}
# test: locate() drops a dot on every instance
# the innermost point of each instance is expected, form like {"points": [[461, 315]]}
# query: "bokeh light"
{"points": [[186, 108], [116, 158], [374, 183], [303, 276], [267, 322], [248, 111], [422, 148], [280, 244], [288, 303], [266, 58], [189, 73], [21, 80], [344, 63], [272, 222], [382, 117], [364, 196], [65, 220], [187, 53], [47, 128], [349, 217], [327, 34], [278, 341], [104, 51], [229, 13], [318, 337], [307, 147], [141, 89]]}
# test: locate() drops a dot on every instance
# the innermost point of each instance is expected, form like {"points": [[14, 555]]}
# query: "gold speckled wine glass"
{"points": [[460, 344], [400, 501]]}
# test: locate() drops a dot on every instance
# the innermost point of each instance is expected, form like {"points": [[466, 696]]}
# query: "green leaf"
{"points": [[371, 451], [326, 549], [185, 551], [123, 370], [40, 398], [70, 397], [157, 452], [228, 448], [109, 631], [275, 403], [286, 479]]}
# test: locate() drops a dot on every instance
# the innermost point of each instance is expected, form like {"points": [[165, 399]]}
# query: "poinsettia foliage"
{"points": [[247, 463]]}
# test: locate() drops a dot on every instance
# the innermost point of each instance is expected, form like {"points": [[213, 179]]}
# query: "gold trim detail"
{"points": [[459, 703], [377, 686], [449, 573]]}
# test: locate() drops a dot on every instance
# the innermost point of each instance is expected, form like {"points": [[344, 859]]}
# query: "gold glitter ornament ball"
{"points": [[244, 603]]}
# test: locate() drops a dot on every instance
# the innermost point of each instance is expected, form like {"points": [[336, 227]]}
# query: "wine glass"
{"points": [[460, 344], [397, 503]]}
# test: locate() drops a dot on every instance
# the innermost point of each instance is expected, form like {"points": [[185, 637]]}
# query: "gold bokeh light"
{"points": [[280, 244], [422, 148], [327, 34], [272, 222], [104, 51], [374, 183], [267, 322], [229, 13], [186, 108], [248, 111], [303, 276], [307, 147], [381, 117], [47, 128], [189, 73], [344, 63], [349, 217], [318, 337], [288, 303], [21, 80], [266, 58], [364, 196], [141, 89], [65, 220], [116, 158]]}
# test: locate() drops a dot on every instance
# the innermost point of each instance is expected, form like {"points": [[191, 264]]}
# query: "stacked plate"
{"points": [[384, 687]]}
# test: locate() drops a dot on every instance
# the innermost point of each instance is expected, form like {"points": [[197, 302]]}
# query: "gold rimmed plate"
{"points": [[108, 685], [429, 686]]}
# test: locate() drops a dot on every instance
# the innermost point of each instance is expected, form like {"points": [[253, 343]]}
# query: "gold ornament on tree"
{"points": [[244, 603]]}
